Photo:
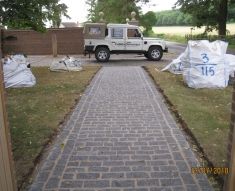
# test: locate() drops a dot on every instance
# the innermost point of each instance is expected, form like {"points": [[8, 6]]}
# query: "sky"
{"points": [[77, 9]]}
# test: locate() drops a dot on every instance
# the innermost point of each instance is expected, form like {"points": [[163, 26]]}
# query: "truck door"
{"points": [[134, 40], [117, 40]]}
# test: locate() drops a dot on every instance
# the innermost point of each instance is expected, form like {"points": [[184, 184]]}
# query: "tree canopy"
{"points": [[212, 14], [148, 20], [173, 18], [114, 11], [31, 14], [91, 9]]}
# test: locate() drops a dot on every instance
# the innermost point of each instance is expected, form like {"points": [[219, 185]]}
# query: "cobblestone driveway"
{"points": [[121, 137]]}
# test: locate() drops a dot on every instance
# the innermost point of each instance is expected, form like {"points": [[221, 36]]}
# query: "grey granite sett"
{"points": [[123, 183], [121, 137], [42, 176]]}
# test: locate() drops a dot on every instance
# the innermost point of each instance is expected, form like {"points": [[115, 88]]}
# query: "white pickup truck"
{"points": [[104, 40]]}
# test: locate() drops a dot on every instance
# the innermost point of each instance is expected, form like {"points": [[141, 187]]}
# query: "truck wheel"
{"points": [[146, 55], [102, 54], [155, 53]]}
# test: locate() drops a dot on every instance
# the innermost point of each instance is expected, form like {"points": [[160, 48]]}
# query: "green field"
{"points": [[181, 31]]}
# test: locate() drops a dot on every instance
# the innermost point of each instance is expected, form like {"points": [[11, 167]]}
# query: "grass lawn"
{"points": [[36, 112], [205, 111]]}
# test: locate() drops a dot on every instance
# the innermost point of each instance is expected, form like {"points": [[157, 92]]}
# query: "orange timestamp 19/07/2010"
{"points": [[209, 170]]}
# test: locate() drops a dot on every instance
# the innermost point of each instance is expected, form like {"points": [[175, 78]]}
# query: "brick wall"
{"points": [[69, 41], [231, 141]]}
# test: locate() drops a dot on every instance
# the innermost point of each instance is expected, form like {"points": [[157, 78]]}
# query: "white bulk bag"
{"points": [[230, 58], [17, 75], [19, 58], [175, 66], [73, 65], [65, 65], [205, 65], [58, 67]]}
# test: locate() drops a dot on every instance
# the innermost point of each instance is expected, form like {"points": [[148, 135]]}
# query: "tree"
{"points": [[165, 20], [231, 14], [91, 9], [212, 14], [148, 21], [115, 11], [180, 19], [173, 18], [31, 14]]}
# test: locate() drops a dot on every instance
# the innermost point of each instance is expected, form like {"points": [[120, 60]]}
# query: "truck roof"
{"points": [[112, 25]]}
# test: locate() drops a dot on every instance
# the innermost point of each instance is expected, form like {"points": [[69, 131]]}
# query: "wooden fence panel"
{"points": [[229, 179], [7, 173]]}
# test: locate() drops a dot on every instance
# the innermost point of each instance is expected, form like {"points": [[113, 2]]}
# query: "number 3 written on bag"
{"points": [[207, 68]]}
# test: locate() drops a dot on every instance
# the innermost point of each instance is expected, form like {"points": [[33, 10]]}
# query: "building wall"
{"points": [[69, 41]]}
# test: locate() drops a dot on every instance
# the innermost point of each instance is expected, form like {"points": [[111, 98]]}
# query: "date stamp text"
{"points": [[209, 170]]}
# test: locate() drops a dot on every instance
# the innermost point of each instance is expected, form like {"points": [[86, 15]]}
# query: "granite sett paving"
{"points": [[121, 137]]}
